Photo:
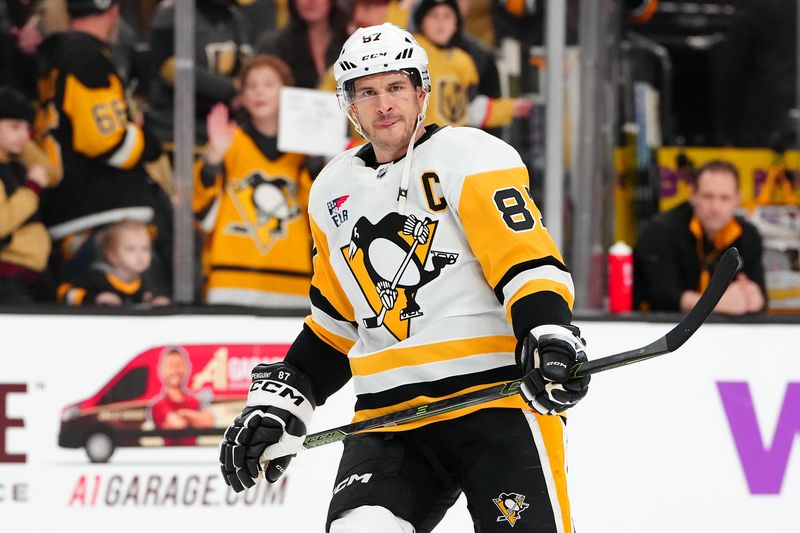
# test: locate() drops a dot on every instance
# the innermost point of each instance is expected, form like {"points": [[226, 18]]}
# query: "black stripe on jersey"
{"points": [[527, 265], [237, 268], [327, 368], [435, 389], [320, 302], [539, 308]]}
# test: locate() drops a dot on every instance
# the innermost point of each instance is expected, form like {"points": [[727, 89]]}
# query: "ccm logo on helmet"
{"points": [[276, 387], [373, 56]]}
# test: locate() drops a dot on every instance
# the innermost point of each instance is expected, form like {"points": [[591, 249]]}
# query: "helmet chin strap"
{"points": [[402, 192]]}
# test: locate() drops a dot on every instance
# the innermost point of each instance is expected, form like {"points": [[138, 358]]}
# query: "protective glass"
{"points": [[393, 85]]}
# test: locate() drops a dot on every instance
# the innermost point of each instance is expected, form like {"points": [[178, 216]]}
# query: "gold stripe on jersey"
{"points": [[337, 342], [552, 429], [324, 276], [109, 117], [259, 281], [430, 353], [540, 285], [130, 151], [512, 402], [501, 231]]}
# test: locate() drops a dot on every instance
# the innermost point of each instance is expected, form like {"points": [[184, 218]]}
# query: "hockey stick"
{"points": [[674, 339], [377, 320]]}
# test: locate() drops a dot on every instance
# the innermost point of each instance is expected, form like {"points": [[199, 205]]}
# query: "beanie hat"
{"points": [[81, 8], [426, 5], [14, 105]]}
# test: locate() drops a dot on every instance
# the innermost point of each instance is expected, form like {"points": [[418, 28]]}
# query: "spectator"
{"points": [[91, 134], [454, 76], [177, 408], [253, 199], [310, 43], [24, 242], [488, 76], [678, 250], [117, 280], [222, 44]]}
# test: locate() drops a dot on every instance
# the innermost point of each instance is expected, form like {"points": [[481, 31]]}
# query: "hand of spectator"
{"points": [[108, 298], [220, 134], [734, 301], [38, 175], [159, 301], [521, 107], [754, 298], [28, 36]]}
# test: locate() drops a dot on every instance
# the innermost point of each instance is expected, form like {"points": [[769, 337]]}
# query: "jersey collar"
{"points": [[367, 153]]}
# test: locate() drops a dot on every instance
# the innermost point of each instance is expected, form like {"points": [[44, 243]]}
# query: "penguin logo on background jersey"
{"points": [[388, 261], [453, 100], [266, 205], [511, 506]]}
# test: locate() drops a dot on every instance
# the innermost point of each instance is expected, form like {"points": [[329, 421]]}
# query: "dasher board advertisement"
{"points": [[113, 424]]}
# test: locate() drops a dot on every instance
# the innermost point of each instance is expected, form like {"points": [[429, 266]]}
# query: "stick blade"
{"points": [[726, 269]]}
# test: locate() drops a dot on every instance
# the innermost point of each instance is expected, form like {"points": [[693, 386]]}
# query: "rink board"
{"points": [[704, 439]]}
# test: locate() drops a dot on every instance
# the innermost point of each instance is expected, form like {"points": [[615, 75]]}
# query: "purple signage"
{"points": [[764, 464]]}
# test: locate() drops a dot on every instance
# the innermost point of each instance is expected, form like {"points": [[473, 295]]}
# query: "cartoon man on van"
{"points": [[176, 407]]}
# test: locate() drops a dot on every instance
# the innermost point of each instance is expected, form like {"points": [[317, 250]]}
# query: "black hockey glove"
{"points": [[272, 424], [546, 355]]}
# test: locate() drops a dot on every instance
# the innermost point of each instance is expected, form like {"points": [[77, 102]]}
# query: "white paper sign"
{"points": [[310, 122]]}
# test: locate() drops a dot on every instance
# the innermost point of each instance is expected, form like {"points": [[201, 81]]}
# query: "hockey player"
{"points": [[384, 218]]}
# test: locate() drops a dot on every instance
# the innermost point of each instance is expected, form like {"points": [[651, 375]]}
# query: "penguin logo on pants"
{"points": [[390, 263], [266, 205]]}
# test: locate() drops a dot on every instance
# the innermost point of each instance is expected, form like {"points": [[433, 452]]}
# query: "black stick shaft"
{"points": [[674, 339]]}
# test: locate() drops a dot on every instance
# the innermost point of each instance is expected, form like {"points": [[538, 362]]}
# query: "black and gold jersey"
{"points": [[100, 278], [253, 208], [88, 131], [454, 83]]}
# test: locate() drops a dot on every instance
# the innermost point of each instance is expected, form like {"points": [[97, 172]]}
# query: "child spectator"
{"points": [[126, 249], [253, 200], [24, 242], [454, 76]]}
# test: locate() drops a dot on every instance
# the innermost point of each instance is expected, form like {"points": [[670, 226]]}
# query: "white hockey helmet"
{"points": [[377, 49]]}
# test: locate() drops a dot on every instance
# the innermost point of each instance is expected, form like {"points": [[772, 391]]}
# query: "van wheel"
{"points": [[99, 447]]}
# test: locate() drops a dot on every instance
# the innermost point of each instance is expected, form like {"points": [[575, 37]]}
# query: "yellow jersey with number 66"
{"points": [[429, 303]]}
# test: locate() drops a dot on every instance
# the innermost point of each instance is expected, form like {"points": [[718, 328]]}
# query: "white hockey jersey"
{"points": [[423, 302]]}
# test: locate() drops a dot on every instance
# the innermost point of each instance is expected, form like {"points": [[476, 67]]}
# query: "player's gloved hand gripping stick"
{"points": [[270, 430], [674, 339]]}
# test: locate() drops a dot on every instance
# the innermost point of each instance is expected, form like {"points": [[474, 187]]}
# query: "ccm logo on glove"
{"points": [[282, 390]]}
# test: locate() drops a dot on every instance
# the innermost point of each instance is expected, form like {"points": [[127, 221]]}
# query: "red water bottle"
{"points": [[620, 278]]}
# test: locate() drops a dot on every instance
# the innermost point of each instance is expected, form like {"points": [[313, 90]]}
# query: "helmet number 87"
{"points": [[371, 37], [511, 204]]}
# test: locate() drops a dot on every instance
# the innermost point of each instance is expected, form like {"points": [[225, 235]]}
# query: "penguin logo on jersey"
{"points": [[453, 100], [388, 260], [266, 205], [511, 506]]}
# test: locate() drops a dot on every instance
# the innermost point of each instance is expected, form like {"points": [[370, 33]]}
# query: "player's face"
{"points": [[14, 135], [312, 11], [261, 93], [440, 24], [173, 368], [132, 252], [715, 200], [387, 106]]}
